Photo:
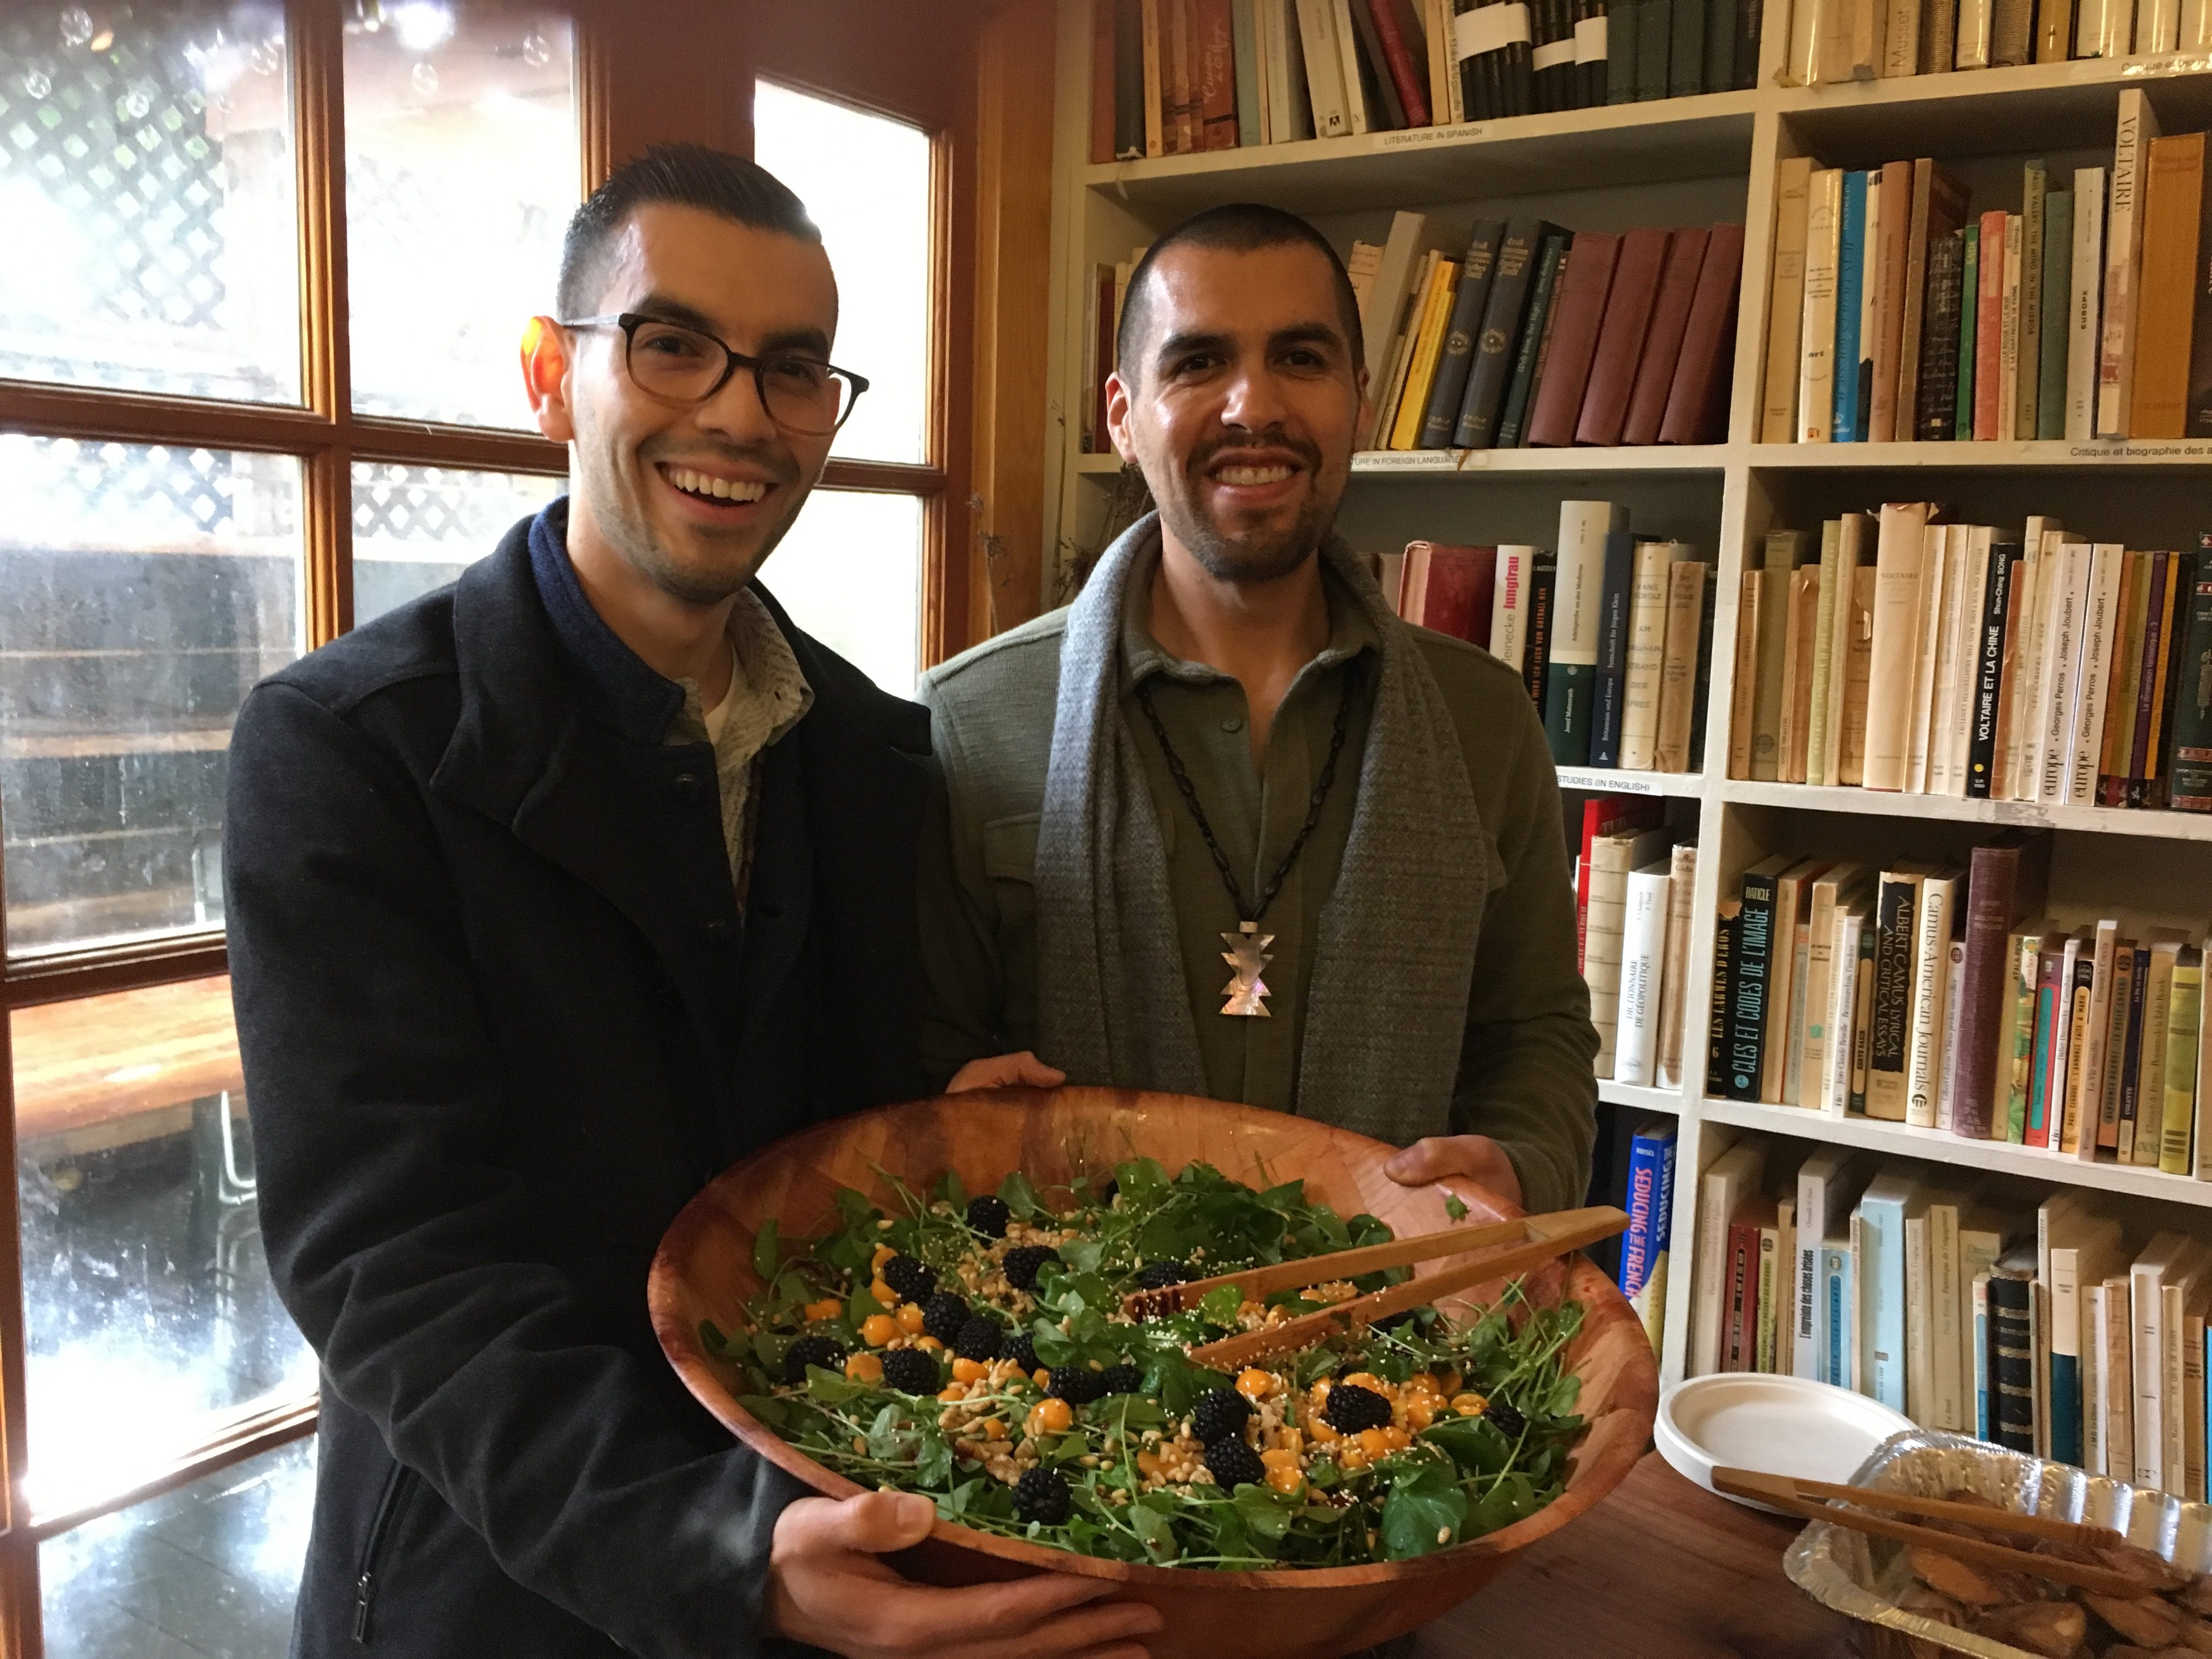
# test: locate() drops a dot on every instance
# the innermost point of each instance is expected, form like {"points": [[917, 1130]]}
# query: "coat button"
{"points": [[686, 787], [718, 933]]}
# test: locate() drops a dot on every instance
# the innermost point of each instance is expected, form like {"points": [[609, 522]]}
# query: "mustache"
{"points": [[777, 461], [1211, 451]]}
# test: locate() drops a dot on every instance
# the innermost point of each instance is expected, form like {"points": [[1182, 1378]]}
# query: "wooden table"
{"points": [[1660, 1570], [105, 1071]]}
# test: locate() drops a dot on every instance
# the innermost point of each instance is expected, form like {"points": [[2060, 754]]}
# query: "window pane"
{"points": [[146, 158], [147, 1303], [210, 1569], [850, 574], [143, 591], [462, 158], [864, 179], [415, 528]]}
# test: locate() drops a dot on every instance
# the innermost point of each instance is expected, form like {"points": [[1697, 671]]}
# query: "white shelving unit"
{"points": [[1692, 161]]}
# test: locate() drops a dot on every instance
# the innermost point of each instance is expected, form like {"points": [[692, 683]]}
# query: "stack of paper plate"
{"points": [[1775, 1425]]}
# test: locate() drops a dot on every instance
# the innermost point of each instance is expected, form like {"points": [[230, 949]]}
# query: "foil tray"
{"points": [[1863, 1576]]}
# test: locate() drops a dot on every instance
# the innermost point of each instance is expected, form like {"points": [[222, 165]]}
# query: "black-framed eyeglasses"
{"points": [[803, 395]]}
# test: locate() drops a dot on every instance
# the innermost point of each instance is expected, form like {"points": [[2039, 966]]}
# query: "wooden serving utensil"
{"points": [[1253, 1282], [1785, 1493], [1547, 1236]]}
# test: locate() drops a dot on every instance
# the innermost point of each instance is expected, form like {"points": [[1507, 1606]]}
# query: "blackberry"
{"points": [[914, 1281], [1124, 1378], [1510, 1423], [1159, 1275], [942, 1316], [910, 1371], [1022, 1262], [1352, 1408], [1235, 1464], [1220, 1415], [988, 1215], [978, 1338], [1041, 1495], [1076, 1384], [823, 1350], [1021, 1348]]}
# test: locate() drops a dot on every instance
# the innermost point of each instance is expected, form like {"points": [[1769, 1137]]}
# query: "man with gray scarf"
{"points": [[1226, 825]]}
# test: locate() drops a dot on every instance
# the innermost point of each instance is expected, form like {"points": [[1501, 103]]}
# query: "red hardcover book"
{"points": [[1102, 81], [1620, 337], [1448, 589], [1739, 1340], [1102, 441], [1215, 71], [1398, 61], [1606, 815], [1989, 331], [1577, 314], [2004, 884], [1662, 341], [1696, 403]]}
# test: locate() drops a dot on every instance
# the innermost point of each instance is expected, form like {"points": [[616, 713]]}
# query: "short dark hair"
{"points": [[681, 175], [1235, 228]]}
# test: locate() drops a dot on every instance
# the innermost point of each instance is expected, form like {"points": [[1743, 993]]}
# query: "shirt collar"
{"points": [[1351, 631], [640, 701]]}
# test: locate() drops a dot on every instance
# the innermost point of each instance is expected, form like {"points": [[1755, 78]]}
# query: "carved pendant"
{"points": [[1247, 956]]}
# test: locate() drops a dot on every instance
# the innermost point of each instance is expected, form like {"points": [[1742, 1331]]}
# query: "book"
{"points": [[1889, 262], [2076, 1244], [1491, 365], [1610, 860], [1626, 321], [2085, 308], [1785, 313], [2167, 287], [1937, 387], [1450, 589], [1896, 921], [1970, 332], [1829, 1184], [1214, 79], [1753, 940], [2100, 617], [1869, 307], [1697, 402], [1899, 558], [1528, 350], [1792, 901], [1930, 995], [2012, 1351], [2124, 225], [1614, 594], [1470, 299], [1576, 613], [2028, 330], [1801, 617], [1508, 605], [2169, 1256], [2055, 294], [1785, 550], [1578, 304], [1972, 50], [1642, 956], [1433, 310], [1722, 1188], [2189, 762], [1661, 346], [1398, 49], [1894, 1195], [1823, 306], [1751, 625], [1650, 1200], [1649, 581], [1839, 885], [1674, 974], [1850, 281], [2005, 880], [1989, 327], [2185, 1075], [1688, 583], [2160, 959]]}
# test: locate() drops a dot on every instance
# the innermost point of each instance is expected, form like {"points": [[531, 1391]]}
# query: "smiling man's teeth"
{"points": [[720, 489], [1253, 475]]}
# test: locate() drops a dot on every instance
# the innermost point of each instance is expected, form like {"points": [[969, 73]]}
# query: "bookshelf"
{"points": [[1687, 161]]}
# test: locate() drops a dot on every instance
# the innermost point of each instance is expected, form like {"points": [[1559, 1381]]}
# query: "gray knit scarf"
{"points": [[1380, 1048]]}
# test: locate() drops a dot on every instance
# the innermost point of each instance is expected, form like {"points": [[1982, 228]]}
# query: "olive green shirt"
{"points": [[1525, 1067]]}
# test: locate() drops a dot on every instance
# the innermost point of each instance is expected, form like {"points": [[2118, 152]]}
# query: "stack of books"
{"points": [[1612, 633], [1964, 661], [2056, 1324], [1538, 337], [1634, 1168], [1899, 313], [1832, 41], [1632, 908], [1175, 77], [1940, 997]]}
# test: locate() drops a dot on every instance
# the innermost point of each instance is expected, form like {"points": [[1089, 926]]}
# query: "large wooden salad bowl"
{"points": [[704, 1271]]}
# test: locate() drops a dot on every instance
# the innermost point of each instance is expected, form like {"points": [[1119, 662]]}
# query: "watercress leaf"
{"points": [[1149, 1519], [1020, 1195], [862, 1305], [854, 1207], [1423, 1513], [1082, 1255], [1284, 1200], [1473, 1443], [1565, 1393], [1220, 1305], [767, 1248], [831, 1389], [767, 1407], [1509, 1497], [1454, 1207], [1265, 1514], [1053, 1347], [1142, 1179]]}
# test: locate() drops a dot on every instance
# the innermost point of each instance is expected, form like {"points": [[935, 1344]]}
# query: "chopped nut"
{"points": [[1955, 1578], [2144, 1619], [2055, 1629]]}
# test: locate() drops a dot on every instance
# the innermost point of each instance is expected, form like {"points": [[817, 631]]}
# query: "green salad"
{"points": [[973, 1348]]}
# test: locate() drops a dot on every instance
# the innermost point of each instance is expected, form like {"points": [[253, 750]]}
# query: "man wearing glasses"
{"points": [[552, 894]]}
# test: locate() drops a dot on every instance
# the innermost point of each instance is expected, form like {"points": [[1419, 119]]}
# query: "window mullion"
{"points": [[319, 122], [21, 1636]]}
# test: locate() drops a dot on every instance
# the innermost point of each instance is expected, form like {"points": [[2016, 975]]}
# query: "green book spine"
{"points": [[2058, 293], [1816, 734], [2020, 1062], [1685, 54], [1969, 310], [1549, 264], [1245, 51], [2190, 768], [1623, 19]]}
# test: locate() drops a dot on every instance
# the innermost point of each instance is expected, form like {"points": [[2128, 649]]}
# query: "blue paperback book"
{"points": [[1850, 266], [1837, 1285], [1982, 1358], [1893, 1195], [1650, 1201]]}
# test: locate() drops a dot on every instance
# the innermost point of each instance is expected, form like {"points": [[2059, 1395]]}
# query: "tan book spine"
{"points": [[1928, 639], [1649, 576], [1858, 675], [1744, 684], [1900, 553], [1155, 92], [2036, 187], [1869, 22], [1678, 668], [2118, 738], [1674, 975], [1804, 620], [1785, 317], [2008, 335], [2173, 205], [1854, 531], [1893, 258]]}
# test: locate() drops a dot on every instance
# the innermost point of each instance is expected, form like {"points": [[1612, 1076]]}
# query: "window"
{"points": [[341, 430], [851, 570]]}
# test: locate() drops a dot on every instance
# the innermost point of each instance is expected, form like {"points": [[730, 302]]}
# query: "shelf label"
{"points": [[1405, 460], [1610, 783], [1411, 137], [2141, 452]]}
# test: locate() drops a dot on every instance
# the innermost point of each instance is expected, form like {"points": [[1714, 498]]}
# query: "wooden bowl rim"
{"points": [[679, 1342]]}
